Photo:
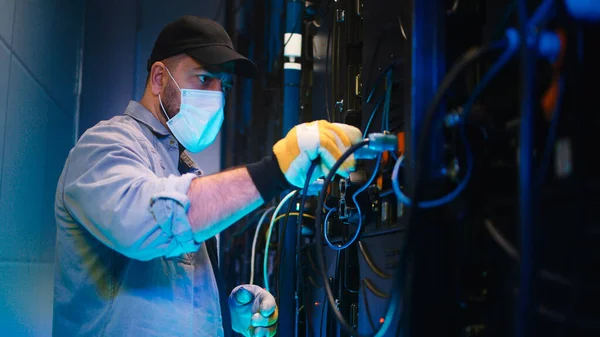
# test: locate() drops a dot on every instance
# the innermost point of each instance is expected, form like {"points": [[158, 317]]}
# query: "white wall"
{"points": [[40, 49]]}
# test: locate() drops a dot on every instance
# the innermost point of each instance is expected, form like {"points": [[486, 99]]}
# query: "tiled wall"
{"points": [[40, 51]]}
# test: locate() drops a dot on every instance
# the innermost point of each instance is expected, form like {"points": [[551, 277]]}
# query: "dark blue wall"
{"points": [[64, 66], [40, 62]]}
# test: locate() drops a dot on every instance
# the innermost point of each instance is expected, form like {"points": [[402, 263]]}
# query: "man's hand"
{"points": [[253, 311], [309, 141]]}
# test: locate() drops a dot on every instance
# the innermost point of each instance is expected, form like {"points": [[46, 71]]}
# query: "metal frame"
{"points": [[426, 262]]}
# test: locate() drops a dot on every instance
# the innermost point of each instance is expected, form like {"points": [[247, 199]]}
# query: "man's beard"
{"points": [[170, 101]]}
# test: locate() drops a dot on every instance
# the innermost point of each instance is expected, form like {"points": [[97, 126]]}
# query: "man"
{"points": [[135, 218]]}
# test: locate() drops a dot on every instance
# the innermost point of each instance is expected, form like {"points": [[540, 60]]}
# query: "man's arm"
{"points": [[219, 200], [111, 190]]}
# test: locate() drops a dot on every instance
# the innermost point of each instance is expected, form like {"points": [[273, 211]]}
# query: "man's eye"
{"points": [[203, 78]]}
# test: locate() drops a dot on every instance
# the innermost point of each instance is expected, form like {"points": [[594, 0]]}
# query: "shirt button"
{"points": [[171, 142]]}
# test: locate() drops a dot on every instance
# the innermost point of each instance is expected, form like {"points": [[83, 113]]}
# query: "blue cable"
{"points": [[496, 67], [385, 123], [527, 193], [376, 83], [360, 222], [540, 14], [513, 43], [445, 199], [403, 198], [513, 46], [490, 74], [372, 116]]}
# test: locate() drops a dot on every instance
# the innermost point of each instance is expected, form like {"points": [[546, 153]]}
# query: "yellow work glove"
{"points": [[309, 141]]}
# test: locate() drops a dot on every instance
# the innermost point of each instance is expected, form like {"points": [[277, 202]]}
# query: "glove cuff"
{"points": [[268, 178]]}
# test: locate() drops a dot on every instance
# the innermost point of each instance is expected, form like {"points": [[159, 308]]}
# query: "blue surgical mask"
{"points": [[200, 117]]}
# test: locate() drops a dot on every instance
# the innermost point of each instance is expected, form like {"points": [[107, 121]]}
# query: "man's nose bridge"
{"points": [[216, 84]]}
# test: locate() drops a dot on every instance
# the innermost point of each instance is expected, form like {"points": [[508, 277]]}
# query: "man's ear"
{"points": [[158, 77]]}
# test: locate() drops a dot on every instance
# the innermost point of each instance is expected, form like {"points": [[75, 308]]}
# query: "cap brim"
{"points": [[216, 55]]}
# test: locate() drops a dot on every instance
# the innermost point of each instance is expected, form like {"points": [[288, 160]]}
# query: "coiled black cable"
{"points": [[395, 296]]}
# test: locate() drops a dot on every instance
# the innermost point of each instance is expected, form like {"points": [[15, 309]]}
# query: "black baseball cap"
{"points": [[205, 40]]}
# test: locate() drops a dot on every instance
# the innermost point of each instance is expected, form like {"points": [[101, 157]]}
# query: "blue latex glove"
{"points": [[253, 311]]}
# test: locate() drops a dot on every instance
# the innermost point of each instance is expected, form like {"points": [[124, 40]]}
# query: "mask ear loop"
{"points": [[160, 100], [168, 72], [163, 108]]}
